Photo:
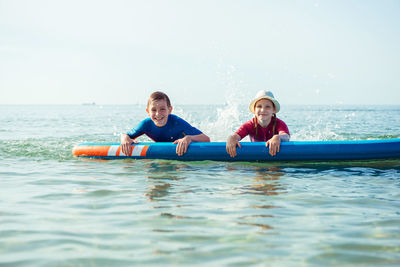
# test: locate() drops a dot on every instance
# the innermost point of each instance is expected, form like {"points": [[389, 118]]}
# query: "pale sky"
{"points": [[199, 52]]}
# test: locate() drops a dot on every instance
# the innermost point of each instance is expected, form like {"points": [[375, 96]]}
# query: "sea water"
{"points": [[57, 210]]}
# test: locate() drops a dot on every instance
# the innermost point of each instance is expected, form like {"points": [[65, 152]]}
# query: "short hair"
{"points": [[158, 96]]}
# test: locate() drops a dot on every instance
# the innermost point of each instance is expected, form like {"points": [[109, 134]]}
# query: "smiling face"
{"points": [[158, 111], [263, 111]]}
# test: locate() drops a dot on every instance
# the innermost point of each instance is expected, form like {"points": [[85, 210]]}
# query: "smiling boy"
{"points": [[162, 126]]}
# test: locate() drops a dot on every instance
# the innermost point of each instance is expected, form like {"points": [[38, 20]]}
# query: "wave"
{"points": [[45, 148], [58, 149]]}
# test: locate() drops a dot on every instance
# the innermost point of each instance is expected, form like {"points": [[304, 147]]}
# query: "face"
{"points": [[158, 111], [263, 110]]}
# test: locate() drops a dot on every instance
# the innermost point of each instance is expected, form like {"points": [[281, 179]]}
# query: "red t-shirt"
{"points": [[263, 134]]}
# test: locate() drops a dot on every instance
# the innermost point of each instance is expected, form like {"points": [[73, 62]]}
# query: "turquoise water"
{"points": [[56, 210]]}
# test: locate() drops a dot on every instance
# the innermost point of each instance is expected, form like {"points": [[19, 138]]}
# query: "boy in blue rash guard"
{"points": [[162, 126]]}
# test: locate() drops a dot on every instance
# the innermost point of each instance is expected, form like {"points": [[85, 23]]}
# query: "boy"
{"points": [[162, 126]]}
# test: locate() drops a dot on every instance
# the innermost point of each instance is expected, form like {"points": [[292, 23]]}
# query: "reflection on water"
{"points": [[158, 191], [160, 174], [166, 177], [264, 184], [262, 226], [172, 216]]}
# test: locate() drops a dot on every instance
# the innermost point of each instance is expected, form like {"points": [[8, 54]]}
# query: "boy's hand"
{"points": [[183, 144], [274, 144], [126, 144], [231, 144]]}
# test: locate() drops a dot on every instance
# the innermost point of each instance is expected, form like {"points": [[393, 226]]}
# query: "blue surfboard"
{"points": [[250, 151]]}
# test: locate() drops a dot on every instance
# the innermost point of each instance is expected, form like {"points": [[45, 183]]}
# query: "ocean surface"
{"points": [[57, 210]]}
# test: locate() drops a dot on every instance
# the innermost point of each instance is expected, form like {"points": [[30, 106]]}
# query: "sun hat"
{"points": [[264, 95]]}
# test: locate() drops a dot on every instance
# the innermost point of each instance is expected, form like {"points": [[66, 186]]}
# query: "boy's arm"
{"points": [[184, 142], [126, 142], [199, 138]]}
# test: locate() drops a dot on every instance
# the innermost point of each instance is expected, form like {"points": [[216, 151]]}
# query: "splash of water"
{"points": [[226, 122], [233, 113]]}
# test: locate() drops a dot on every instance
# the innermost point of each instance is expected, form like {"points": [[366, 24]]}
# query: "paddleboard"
{"points": [[250, 151]]}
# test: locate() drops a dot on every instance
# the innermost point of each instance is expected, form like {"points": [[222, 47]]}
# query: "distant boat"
{"points": [[89, 104]]}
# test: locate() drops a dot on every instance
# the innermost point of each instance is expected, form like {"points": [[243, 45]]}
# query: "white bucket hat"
{"points": [[264, 95]]}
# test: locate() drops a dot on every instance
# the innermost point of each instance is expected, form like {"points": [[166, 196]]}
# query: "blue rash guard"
{"points": [[175, 128]]}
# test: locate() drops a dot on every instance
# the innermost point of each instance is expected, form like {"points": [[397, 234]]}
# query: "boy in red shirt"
{"points": [[264, 127]]}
